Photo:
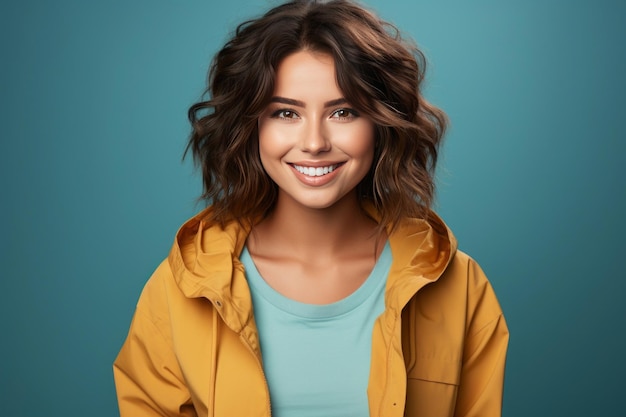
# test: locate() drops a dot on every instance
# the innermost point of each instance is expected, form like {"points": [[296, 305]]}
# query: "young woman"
{"points": [[318, 282]]}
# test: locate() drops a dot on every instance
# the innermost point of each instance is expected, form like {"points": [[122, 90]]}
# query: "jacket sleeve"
{"points": [[147, 377], [484, 353]]}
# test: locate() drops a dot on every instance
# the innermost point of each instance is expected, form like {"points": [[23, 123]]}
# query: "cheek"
{"points": [[359, 143], [265, 158], [270, 149], [265, 140]]}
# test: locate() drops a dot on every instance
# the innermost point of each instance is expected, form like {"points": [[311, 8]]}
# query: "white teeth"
{"points": [[315, 171]]}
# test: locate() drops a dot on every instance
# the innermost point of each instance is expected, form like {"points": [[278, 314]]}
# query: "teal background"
{"points": [[93, 124]]}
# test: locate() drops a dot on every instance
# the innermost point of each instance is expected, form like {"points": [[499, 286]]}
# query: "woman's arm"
{"points": [[484, 354], [148, 379]]}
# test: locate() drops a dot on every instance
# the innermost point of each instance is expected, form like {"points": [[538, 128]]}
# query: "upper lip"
{"points": [[315, 164]]}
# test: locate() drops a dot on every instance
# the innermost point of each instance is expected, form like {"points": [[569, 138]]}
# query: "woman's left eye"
{"points": [[344, 114]]}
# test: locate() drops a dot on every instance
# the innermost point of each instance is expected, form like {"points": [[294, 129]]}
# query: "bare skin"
{"points": [[317, 246], [316, 256]]}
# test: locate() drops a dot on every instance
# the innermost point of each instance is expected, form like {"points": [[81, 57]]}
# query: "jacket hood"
{"points": [[422, 250], [205, 262]]}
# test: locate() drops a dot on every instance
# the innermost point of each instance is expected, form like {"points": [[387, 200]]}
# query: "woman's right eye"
{"points": [[285, 114]]}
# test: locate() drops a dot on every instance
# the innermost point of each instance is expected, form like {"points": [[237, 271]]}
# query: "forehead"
{"points": [[307, 74]]}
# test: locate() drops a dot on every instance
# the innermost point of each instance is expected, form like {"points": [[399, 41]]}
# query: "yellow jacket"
{"points": [[438, 350]]}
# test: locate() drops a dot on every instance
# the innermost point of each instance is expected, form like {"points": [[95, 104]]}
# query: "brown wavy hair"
{"points": [[379, 73]]}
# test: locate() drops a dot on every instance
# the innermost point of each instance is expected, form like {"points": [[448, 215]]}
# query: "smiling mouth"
{"points": [[315, 171]]}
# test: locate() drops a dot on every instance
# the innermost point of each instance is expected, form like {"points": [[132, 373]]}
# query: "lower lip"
{"points": [[316, 181]]}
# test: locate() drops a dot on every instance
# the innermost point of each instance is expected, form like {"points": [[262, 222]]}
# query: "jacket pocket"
{"points": [[432, 386]]}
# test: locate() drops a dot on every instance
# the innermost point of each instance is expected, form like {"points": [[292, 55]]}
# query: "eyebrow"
{"points": [[292, 102]]}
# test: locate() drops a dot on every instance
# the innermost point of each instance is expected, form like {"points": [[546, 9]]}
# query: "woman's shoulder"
{"points": [[156, 291]]}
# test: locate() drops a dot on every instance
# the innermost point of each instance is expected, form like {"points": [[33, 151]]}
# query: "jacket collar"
{"points": [[205, 263]]}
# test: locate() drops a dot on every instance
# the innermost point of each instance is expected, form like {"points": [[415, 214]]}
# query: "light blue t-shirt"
{"points": [[316, 358]]}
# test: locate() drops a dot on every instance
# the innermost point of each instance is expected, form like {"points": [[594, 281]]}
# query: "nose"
{"points": [[315, 138]]}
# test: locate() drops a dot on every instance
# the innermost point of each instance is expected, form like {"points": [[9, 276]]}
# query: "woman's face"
{"points": [[312, 143]]}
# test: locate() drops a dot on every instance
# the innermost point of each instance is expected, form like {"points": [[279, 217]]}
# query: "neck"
{"points": [[307, 230]]}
